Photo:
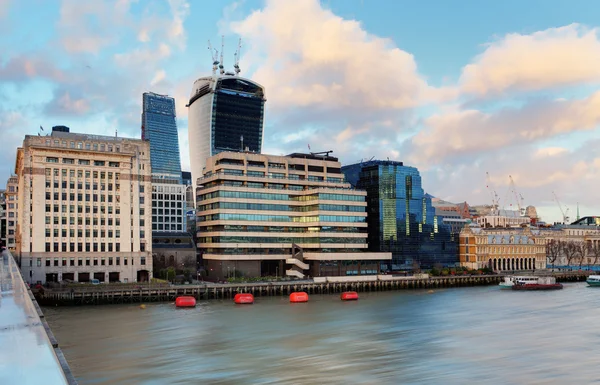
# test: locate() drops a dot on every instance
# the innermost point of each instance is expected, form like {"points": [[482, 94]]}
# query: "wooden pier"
{"points": [[144, 293]]}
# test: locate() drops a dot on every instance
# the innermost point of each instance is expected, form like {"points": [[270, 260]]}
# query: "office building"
{"points": [[225, 114], [2, 218], [266, 215], [12, 189], [159, 128], [401, 217], [83, 208]]}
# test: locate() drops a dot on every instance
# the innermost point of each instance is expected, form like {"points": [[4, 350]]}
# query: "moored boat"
{"points": [[542, 283], [593, 280], [509, 281]]}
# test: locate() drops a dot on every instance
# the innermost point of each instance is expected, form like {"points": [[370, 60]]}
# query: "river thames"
{"points": [[449, 336]]}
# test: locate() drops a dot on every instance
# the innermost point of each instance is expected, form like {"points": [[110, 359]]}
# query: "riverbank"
{"points": [[144, 293]]}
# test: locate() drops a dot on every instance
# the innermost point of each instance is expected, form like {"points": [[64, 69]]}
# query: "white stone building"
{"points": [[83, 208]]}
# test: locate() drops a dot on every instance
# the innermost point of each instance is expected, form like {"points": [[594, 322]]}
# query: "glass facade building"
{"points": [[159, 127], [225, 114], [401, 218]]}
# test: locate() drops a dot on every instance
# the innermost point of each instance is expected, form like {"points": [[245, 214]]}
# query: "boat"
{"points": [[510, 280], [542, 283], [593, 280]]}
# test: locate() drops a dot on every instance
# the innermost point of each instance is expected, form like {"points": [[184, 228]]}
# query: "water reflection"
{"points": [[449, 336]]}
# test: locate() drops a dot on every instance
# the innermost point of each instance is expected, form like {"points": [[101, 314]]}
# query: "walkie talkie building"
{"points": [[225, 114]]}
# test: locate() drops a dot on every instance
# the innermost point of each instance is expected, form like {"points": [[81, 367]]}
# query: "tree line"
{"points": [[572, 252]]}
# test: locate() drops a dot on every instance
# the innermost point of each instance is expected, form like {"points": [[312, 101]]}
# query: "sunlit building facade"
{"points": [[266, 215], [83, 209], [401, 217]]}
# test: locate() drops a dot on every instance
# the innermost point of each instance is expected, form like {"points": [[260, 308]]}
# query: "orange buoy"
{"points": [[243, 298], [185, 301], [298, 296], [349, 296]]}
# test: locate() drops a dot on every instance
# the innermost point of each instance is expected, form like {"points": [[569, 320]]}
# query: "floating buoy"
{"points": [[185, 301], [430, 292], [349, 296], [298, 296], [142, 306], [243, 298]]}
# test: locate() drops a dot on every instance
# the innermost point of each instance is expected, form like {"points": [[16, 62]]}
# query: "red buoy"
{"points": [[243, 298], [298, 296], [185, 301], [349, 296]]}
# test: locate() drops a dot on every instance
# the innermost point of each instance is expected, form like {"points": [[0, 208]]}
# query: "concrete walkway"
{"points": [[27, 355]]}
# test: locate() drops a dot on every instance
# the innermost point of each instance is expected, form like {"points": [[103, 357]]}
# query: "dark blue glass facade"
{"points": [[401, 217], [159, 126]]}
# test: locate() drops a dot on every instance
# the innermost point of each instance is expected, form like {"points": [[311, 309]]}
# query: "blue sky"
{"points": [[456, 89]]}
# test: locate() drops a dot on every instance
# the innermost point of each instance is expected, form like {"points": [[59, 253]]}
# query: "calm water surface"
{"points": [[453, 336]]}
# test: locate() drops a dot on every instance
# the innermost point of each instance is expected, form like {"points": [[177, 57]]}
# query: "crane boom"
{"points": [[518, 197], [215, 57], [236, 64], [221, 68], [493, 193], [563, 212]]}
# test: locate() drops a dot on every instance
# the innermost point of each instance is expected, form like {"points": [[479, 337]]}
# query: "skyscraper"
{"points": [[401, 218], [159, 127], [225, 114]]}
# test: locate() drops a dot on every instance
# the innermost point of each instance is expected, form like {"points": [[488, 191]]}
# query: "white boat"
{"points": [[593, 280], [509, 281]]}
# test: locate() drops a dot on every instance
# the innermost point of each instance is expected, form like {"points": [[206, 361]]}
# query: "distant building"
{"points": [[12, 205], [2, 218], [503, 218], [267, 215], [453, 219], [159, 127], [173, 249], [575, 245], [401, 217], [517, 249], [225, 114], [81, 208]]}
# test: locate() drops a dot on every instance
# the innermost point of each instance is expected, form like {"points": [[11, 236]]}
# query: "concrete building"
{"points": [[83, 208], [401, 217], [2, 217], [509, 249], [574, 246], [266, 215], [173, 249], [503, 219], [225, 114], [12, 219], [452, 219]]}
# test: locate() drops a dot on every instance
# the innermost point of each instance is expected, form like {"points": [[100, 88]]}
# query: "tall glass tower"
{"points": [[159, 127], [225, 114], [401, 218]]}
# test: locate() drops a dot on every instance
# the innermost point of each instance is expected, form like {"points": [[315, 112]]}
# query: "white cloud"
{"points": [[561, 56]]}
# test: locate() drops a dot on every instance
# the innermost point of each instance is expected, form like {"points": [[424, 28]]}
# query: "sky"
{"points": [[470, 93]]}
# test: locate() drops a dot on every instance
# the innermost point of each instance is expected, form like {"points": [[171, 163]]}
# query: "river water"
{"points": [[451, 336]]}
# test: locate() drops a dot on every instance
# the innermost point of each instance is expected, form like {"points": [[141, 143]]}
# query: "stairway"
{"points": [[297, 263]]}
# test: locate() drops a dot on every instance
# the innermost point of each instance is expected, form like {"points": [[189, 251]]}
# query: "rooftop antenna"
{"points": [[221, 69], [242, 140], [215, 57], [236, 65], [116, 132]]}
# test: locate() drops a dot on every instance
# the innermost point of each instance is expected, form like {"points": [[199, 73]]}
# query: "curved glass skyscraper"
{"points": [[159, 127], [225, 114]]}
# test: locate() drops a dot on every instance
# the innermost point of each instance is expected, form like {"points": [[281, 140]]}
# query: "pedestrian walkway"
{"points": [[26, 354]]}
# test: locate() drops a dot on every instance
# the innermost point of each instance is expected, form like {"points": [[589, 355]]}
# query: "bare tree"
{"points": [[593, 250], [553, 251], [570, 250], [580, 253]]}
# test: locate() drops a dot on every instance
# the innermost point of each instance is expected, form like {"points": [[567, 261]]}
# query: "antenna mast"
{"points": [[214, 54], [236, 65], [221, 69]]}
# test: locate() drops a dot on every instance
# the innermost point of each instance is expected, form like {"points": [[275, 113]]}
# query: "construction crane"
{"points": [[518, 197], [565, 212], [236, 56], [495, 199], [215, 57], [221, 68]]}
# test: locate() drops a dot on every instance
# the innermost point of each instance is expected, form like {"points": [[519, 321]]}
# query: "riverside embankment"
{"points": [[119, 294]]}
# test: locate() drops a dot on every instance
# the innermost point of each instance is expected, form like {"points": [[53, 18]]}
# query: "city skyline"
{"points": [[454, 92]]}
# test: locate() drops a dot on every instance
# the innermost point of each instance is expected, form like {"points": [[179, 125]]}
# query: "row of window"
{"points": [[167, 227], [280, 239], [280, 197], [281, 218], [156, 203], [281, 229], [55, 172], [82, 145], [110, 261], [89, 247], [88, 197], [83, 162], [275, 207], [277, 175], [88, 233], [71, 208]]}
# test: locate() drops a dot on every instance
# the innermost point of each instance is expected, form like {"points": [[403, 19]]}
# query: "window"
{"points": [[51, 160], [143, 260]]}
